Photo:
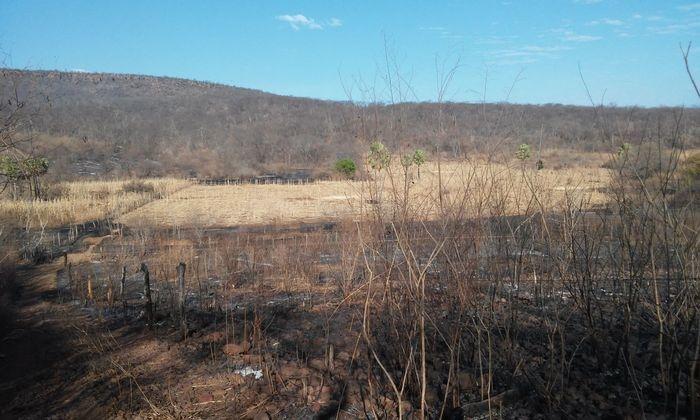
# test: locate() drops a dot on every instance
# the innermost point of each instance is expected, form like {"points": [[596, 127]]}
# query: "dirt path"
{"points": [[44, 368]]}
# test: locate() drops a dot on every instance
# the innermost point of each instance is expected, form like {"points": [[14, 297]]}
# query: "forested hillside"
{"points": [[111, 125]]}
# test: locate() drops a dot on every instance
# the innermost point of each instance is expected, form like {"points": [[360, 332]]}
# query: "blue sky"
{"points": [[628, 50]]}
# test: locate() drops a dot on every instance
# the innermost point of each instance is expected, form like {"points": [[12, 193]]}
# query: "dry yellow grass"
{"points": [[505, 185], [508, 187], [80, 202], [230, 205]]}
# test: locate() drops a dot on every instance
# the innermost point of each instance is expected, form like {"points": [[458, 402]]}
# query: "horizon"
{"points": [[515, 52], [428, 101]]}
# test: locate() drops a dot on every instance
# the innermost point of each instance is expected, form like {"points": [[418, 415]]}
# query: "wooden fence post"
{"points": [[181, 283], [147, 291], [123, 287], [89, 289], [73, 289]]}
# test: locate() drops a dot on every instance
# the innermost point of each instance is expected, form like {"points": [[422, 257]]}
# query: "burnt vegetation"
{"points": [[484, 286]]}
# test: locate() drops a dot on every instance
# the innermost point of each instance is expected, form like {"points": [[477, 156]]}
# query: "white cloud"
{"points": [[538, 49], [574, 37], [675, 28], [607, 21], [689, 7], [525, 55], [582, 38], [299, 21], [335, 22]]}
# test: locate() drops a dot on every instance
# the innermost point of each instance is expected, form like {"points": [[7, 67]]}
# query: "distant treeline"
{"points": [[126, 125]]}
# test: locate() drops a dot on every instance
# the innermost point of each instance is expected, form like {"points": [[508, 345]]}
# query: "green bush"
{"points": [[22, 168], [523, 152], [419, 158], [346, 167], [379, 156]]}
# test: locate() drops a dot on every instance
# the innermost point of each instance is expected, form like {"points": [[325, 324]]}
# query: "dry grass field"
{"points": [[232, 205], [79, 202]]}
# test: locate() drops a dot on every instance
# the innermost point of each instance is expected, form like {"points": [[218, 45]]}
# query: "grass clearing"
{"points": [[248, 204]]}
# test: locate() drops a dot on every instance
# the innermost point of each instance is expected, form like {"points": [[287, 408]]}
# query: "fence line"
{"points": [[257, 180]]}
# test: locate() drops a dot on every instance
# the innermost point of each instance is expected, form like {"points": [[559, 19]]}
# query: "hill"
{"points": [[109, 125]]}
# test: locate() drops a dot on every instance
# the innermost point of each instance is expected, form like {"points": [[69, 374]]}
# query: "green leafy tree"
{"points": [[10, 168], [34, 167], [419, 158], [29, 169], [379, 157], [346, 167], [523, 152], [406, 162]]}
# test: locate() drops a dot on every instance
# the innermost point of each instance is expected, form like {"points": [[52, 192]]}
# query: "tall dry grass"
{"points": [[515, 258], [79, 202], [232, 205]]}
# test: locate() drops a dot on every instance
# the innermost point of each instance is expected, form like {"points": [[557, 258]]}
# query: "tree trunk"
{"points": [[147, 292], [182, 297]]}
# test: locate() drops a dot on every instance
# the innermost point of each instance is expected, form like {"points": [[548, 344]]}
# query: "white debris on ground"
{"points": [[248, 371]]}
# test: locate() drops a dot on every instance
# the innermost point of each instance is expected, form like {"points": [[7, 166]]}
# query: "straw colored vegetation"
{"points": [[80, 202], [233, 205]]}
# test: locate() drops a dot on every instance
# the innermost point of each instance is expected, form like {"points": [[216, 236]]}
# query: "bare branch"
{"points": [[686, 53]]}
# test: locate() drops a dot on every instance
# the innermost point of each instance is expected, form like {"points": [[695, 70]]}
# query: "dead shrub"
{"points": [[137, 186]]}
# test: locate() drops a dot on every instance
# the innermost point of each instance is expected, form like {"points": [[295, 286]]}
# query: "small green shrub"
{"points": [[419, 158], [379, 156], [346, 167], [523, 152]]}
